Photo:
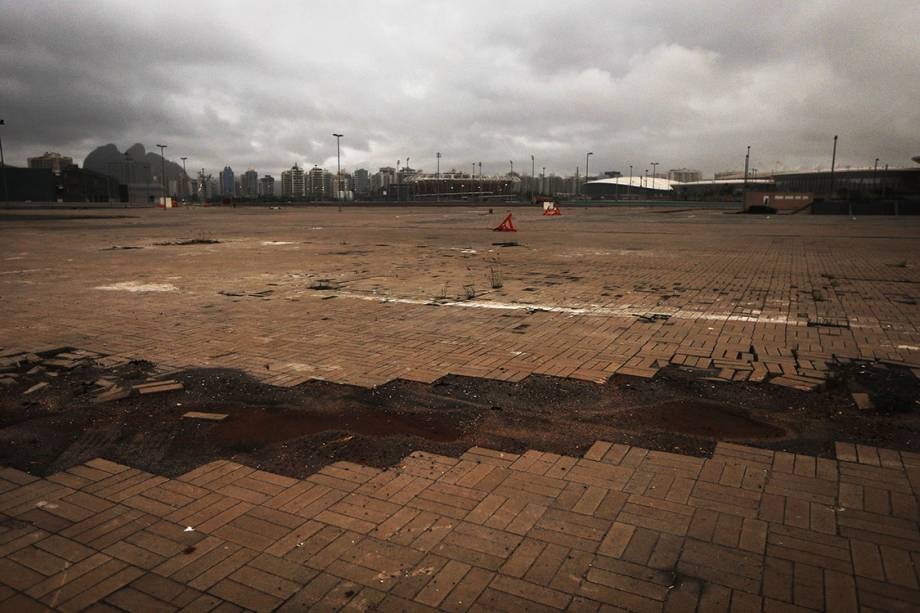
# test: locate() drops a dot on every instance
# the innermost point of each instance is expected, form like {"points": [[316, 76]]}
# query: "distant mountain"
{"points": [[99, 159]]}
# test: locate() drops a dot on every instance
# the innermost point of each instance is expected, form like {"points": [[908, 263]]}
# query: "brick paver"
{"points": [[586, 295], [622, 527]]}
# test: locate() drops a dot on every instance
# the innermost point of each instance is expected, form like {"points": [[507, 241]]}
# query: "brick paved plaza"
{"points": [[623, 528], [585, 295], [365, 296]]}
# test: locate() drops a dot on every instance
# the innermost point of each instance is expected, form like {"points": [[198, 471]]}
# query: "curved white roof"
{"points": [[637, 181]]}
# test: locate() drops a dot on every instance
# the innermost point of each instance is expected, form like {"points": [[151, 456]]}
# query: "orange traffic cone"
{"points": [[553, 211], [506, 225]]}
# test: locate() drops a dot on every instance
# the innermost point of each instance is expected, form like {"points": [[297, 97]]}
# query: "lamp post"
{"points": [[184, 177], [472, 177], [6, 193], [747, 161], [630, 179], [646, 177], [163, 165], [833, 162], [585, 188], [533, 177], [480, 180], [438, 196], [543, 181], [875, 176], [338, 165]]}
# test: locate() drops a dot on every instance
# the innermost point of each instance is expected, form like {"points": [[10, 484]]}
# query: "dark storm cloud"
{"points": [[265, 84]]}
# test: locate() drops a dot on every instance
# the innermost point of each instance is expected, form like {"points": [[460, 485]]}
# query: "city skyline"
{"points": [[688, 85]]}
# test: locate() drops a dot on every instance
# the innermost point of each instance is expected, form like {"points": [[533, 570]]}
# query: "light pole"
{"points": [[163, 163], [584, 190], [480, 180], [875, 176], [533, 177], [472, 177], [184, 178], [338, 165], [543, 181], [438, 196], [6, 193], [747, 161], [654, 167], [833, 162], [646, 177]]}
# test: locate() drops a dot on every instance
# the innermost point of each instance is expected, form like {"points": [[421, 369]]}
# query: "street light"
{"points": [[185, 177], [875, 176], [533, 177], [6, 194], [833, 162], [438, 195], [585, 188], [543, 181], [163, 162], [480, 180], [747, 160], [338, 164]]}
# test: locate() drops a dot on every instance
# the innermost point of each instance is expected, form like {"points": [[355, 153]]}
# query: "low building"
{"points": [[81, 185], [778, 201], [721, 189], [27, 184], [854, 183]]}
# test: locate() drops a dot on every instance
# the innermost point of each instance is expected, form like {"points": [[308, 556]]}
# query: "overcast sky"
{"points": [[265, 84]]}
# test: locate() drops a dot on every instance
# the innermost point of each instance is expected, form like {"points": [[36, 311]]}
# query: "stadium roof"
{"points": [[663, 185], [727, 182]]}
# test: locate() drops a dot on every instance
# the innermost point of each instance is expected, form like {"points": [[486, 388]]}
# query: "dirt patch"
{"points": [[295, 431], [253, 428], [699, 418]]}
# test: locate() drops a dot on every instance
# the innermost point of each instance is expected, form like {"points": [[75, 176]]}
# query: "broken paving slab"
{"points": [[35, 388], [158, 387], [205, 416], [863, 401], [113, 393], [62, 364]]}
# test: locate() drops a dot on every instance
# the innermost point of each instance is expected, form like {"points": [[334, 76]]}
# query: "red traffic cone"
{"points": [[506, 225]]}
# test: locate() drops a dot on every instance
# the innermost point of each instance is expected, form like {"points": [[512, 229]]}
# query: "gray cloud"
{"points": [[265, 84]]}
